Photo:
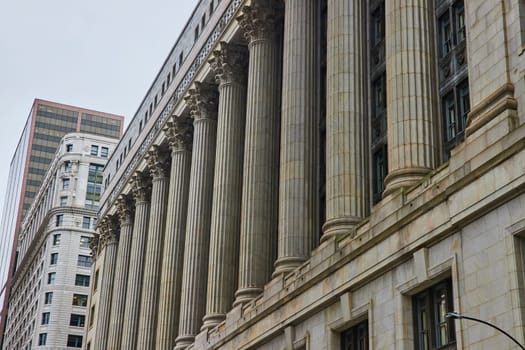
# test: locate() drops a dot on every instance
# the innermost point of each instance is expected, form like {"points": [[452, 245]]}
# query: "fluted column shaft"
{"points": [[261, 152], [179, 136], [106, 285], [298, 182], [228, 62], [410, 92], [346, 176], [158, 166], [195, 270], [118, 301], [136, 262]]}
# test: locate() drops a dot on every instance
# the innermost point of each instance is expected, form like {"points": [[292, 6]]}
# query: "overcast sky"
{"points": [[96, 54]]}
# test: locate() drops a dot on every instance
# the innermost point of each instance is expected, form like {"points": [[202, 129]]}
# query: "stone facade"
{"points": [[53, 280], [273, 234]]}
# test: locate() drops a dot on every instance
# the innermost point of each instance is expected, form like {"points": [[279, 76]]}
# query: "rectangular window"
{"points": [[84, 241], [51, 277], [196, 33], [84, 261], [74, 341], [80, 300], [67, 166], [69, 148], [63, 201], [104, 152], [95, 285], [65, 184], [56, 239], [94, 150], [77, 320], [86, 222], [453, 72], [45, 318], [432, 330], [59, 220], [48, 298], [94, 186], [92, 315], [82, 280], [54, 259], [355, 338], [42, 339]]}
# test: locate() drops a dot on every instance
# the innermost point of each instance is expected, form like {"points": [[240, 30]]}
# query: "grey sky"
{"points": [[95, 54]]}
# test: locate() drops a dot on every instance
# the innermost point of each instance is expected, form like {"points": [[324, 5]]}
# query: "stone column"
{"points": [[158, 164], [179, 134], [410, 92], [229, 62], [141, 192], [109, 242], [202, 101], [298, 181], [261, 151], [118, 301], [347, 194]]}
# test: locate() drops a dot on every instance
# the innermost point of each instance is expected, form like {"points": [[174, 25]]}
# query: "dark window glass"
{"points": [[355, 338], [432, 329], [94, 150], [86, 222], [84, 261], [104, 152], [82, 280], [56, 239], [80, 300], [74, 341], [48, 298], [84, 242], [59, 220], [69, 148], [77, 320], [51, 277], [42, 339], [45, 318], [54, 259]]}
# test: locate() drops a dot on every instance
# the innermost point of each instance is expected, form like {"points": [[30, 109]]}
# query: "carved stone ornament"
{"points": [[141, 187], [108, 231], [158, 162], [124, 209], [94, 245], [179, 132], [229, 62], [259, 19], [202, 100]]}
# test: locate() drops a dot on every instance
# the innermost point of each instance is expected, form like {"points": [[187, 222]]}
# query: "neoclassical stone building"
{"points": [[322, 174]]}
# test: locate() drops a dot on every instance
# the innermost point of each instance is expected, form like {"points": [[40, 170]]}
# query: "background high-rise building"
{"points": [[47, 123], [50, 287]]}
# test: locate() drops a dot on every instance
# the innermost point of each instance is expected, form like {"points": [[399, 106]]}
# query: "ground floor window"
{"points": [[432, 329], [355, 338]]}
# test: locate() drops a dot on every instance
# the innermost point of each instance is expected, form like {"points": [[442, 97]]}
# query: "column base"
{"points": [[183, 341], [245, 295], [338, 226], [211, 321], [403, 178], [287, 264]]}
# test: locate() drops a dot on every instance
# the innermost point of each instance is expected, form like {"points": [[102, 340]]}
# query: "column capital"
{"points": [[259, 19], [158, 163], [179, 132], [229, 62], [108, 231], [94, 245], [141, 187], [202, 100], [124, 209]]}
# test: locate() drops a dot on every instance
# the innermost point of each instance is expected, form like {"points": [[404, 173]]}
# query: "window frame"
{"points": [[72, 340], [424, 303], [45, 318], [351, 339], [79, 318], [80, 280], [48, 298], [84, 261], [53, 259], [82, 300]]}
